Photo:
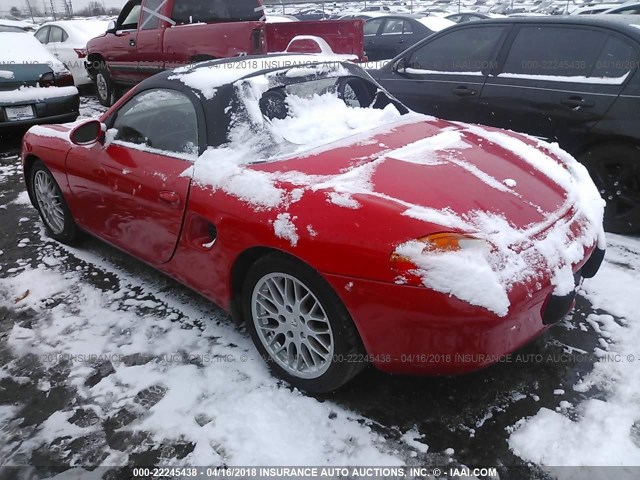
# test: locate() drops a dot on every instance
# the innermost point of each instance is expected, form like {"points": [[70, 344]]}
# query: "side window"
{"points": [[149, 21], [554, 51], [57, 35], [129, 17], [631, 10], [211, 11], [164, 120], [372, 26], [393, 26], [467, 50], [616, 60], [43, 35]]}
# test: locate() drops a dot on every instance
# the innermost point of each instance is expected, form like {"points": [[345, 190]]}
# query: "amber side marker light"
{"points": [[435, 243]]}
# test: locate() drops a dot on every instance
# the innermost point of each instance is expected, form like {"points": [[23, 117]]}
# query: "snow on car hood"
{"points": [[547, 216]]}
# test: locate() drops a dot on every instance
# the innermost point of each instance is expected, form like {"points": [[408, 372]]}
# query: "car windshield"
{"points": [[287, 120]]}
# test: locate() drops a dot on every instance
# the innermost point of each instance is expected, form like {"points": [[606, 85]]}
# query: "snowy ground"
{"points": [[105, 361]]}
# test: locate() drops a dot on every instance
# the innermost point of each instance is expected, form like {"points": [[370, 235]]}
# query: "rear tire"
{"points": [[615, 169], [299, 325], [51, 205], [105, 88]]}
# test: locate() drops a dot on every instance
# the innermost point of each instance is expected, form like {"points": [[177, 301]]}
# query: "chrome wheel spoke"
{"points": [[49, 201], [292, 325]]}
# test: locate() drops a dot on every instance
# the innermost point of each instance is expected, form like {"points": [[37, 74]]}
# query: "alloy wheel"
{"points": [[292, 325], [49, 201]]}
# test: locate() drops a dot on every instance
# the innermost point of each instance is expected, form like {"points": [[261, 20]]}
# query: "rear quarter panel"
{"points": [[221, 40]]}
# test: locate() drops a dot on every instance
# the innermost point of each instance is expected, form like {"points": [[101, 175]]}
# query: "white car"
{"points": [[629, 8], [594, 9], [25, 26], [67, 41], [280, 18]]}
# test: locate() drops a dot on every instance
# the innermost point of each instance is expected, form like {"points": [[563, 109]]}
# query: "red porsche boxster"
{"points": [[340, 227]]}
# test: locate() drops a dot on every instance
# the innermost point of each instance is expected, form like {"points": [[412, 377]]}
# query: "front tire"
{"points": [[299, 325], [615, 169], [51, 205]]}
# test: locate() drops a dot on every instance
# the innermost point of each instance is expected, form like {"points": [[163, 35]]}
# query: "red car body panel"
{"points": [[115, 193]]}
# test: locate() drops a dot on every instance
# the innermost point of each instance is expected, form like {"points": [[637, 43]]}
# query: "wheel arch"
{"points": [[601, 141], [201, 57], [93, 60], [241, 266], [28, 163]]}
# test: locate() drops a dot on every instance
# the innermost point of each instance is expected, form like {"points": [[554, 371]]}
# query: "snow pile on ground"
{"points": [[162, 375], [598, 432]]}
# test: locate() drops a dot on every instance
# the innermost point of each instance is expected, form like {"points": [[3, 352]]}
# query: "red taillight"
{"points": [[47, 80], [81, 52], [64, 80], [258, 41]]}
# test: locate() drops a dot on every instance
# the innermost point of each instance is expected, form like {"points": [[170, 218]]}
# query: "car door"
{"points": [[554, 82], [391, 38], [122, 58], [131, 190], [43, 37], [149, 38], [444, 75], [57, 44], [371, 28]]}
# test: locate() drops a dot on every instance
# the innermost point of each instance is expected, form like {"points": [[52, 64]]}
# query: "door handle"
{"points": [[172, 198], [132, 42], [577, 102], [463, 91]]}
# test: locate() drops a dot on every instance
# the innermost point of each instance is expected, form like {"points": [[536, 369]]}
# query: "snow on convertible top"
{"points": [[24, 49], [313, 116], [207, 78]]}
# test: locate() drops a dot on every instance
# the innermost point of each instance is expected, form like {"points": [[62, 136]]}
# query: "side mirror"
{"points": [[87, 133], [111, 27], [401, 65]]}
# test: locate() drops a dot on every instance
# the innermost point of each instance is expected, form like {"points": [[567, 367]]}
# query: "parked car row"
{"points": [[571, 80]]}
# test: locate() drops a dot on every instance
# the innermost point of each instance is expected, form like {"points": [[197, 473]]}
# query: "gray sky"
{"points": [[5, 5]]}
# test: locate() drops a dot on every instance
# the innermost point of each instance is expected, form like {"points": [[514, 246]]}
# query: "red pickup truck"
{"points": [[153, 35]]}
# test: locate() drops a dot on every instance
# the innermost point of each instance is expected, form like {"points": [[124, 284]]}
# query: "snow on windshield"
{"points": [[312, 120]]}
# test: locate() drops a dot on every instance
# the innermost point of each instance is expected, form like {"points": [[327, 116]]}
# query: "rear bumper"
{"points": [[50, 110], [408, 329]]}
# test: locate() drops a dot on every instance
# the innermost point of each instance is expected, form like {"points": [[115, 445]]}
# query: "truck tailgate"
{"points": [[343, 36]]}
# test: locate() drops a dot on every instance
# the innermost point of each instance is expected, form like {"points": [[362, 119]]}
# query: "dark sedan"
{"points": [[572, 80], [35, 87], [388, 35]]}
